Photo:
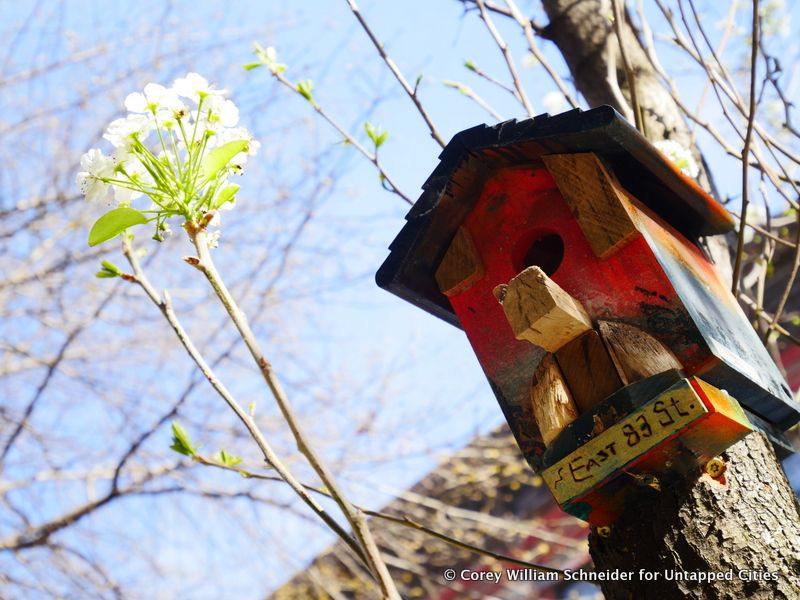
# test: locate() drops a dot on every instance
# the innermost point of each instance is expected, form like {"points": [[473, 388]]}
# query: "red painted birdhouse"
{"points": [[567, 249]]}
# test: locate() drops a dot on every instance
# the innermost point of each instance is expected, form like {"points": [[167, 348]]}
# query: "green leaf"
{"points": [[371, 131], [218, 158], [111, 267], [268, 58], [114, 222], [253, 65], [229, 460], [375, 134], [470, 65], [226, 194], [180, 441], [304, 88], [105, 275]]}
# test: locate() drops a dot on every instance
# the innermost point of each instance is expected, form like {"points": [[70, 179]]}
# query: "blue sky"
{"points": [[438, 396]]}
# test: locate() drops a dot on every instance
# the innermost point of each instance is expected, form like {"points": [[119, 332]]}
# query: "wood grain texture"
{"points": [[588, 370], [540, 312], [693, 525], [553, 407], [596, 199], [636, 354], [461, 265]]}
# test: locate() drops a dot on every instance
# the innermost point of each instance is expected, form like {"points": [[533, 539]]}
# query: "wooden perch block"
{"points": [[636, 353], [596, 199], [553, 407], [461, 266], [588, 370], [540, 312]]}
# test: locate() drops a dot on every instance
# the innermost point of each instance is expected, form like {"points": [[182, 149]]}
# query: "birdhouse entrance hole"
{"points": [[546, 251]]}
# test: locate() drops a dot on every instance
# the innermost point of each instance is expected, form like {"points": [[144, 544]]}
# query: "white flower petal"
{"points": [[122, 194], [682, 157], [228, 114], [136, 102], [153, 92], [213, 239], [120, 131], [554, 102]]}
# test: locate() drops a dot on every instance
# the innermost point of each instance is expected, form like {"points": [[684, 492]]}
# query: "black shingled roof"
{"points": [[474, 154]]}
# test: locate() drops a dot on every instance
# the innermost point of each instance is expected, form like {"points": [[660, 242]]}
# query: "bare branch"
{"points": [[412, 93], [519, 89]]}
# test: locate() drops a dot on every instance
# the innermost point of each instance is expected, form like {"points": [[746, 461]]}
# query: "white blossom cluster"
{"points": [[176, 146], [682, 157]]}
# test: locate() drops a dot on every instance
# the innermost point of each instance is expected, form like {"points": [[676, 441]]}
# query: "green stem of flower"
{"points": [[197, 119], [164, 148], [173, 142]]}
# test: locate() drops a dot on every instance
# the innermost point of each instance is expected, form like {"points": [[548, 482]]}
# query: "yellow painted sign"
{"points": [[625, 441]]}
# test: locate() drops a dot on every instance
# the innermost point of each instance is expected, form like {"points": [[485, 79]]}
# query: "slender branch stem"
{"points": [[483, 74], [512, 69], [470, 93], [370, 156], [630, 75], [528, 30], [403, 520], [766, 233], [748, 138], [412, 93], [787, 290], [164, 304], [205, 264], [765, 316]]}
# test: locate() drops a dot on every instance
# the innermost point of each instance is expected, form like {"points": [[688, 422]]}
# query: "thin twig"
{"points": [[748, 138], [483, 74], [787, 290], [470, 93], [507, 11], [403, 520], [766, 233], [164, 304], [720, 85], [370, 156], [629, 74], [205, 264], [412, 93], [512, 69], [762, 314], [528, 30]]}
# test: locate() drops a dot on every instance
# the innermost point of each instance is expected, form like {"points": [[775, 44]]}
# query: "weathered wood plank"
{"points": [[553, 407], [461, 265], [636, 354], [596, 199], [540, 312], [588, 369]]}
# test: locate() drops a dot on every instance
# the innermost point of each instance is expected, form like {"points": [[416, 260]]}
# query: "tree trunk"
{"points": [[746, 521]]}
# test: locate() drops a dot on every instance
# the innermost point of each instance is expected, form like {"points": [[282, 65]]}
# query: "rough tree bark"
{"points": [[749, 520]]}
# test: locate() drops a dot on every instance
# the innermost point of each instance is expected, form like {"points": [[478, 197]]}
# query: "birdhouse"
{"points": [[567, 250]]}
